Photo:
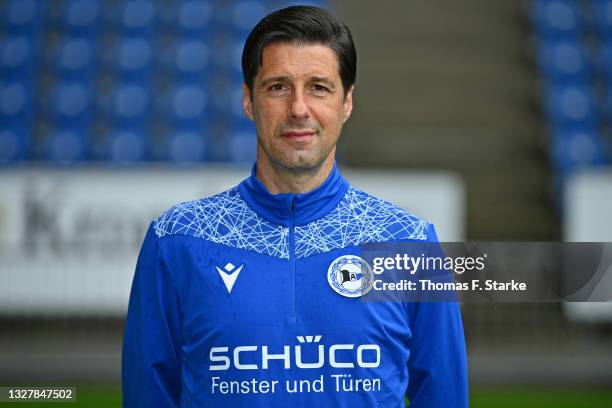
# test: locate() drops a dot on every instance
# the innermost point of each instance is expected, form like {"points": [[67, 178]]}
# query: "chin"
{"points": [[302, 162]]}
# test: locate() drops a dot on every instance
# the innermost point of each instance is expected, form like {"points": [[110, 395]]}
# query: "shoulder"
{"points": [[382, 219], [224, 219], [360, 218], [194, 217]]}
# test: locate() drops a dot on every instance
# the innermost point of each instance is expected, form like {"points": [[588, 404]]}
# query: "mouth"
{"points": [[298, 135]]}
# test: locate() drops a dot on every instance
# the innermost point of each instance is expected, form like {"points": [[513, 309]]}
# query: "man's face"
{"points": [[298, 105]]}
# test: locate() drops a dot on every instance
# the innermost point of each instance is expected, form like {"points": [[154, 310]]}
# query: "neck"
{"points": [[282, 180]]}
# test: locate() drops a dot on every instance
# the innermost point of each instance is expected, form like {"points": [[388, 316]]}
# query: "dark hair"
{"points": [[300, 25]]}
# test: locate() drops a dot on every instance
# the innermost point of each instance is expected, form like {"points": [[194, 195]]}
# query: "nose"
{"points": [[298, 108]]}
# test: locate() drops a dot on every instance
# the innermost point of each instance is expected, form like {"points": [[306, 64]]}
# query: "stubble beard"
{"points": [[294, 160]]}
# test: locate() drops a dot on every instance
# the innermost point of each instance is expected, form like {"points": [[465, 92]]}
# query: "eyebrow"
{"points": [[285, 78], [268, 81], [323, 80]]}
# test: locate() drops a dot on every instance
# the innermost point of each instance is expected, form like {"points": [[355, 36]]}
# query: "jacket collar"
{"points": [[307, 207]]}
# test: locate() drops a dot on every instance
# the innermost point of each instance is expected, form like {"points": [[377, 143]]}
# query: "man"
{"points": [[252, 297]]}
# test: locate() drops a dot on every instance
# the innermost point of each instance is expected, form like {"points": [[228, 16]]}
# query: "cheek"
{"points": [[270, 112], [267, 121], [331, 117]]}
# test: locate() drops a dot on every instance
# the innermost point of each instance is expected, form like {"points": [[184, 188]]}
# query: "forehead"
{"points": [[296, 60]]}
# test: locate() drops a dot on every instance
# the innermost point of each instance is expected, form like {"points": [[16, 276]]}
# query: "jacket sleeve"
{"points": [[151, 373], [437, 366]]}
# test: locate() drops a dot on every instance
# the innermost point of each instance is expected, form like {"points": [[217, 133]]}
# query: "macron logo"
{"points": [[229, 275]]}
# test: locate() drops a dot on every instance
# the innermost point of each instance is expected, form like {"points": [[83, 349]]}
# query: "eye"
{"points": [[319, 90], [277, 87]]}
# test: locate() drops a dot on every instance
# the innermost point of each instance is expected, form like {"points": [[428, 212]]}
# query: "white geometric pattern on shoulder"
{"points": [[359, 218], [225, 219]]}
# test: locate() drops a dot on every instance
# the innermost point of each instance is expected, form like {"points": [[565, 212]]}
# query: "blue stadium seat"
{"points": [[219, 85], [191, 60], [572, 150], [187, 147], [15, 103], [245, 14], [188, 105], [236, 96], [71, 104], [17, 58], [563, 60], [572, 106], [227, 103], [133, 59], [235, 53], [24, 17], [576, 148], [14, 143], [130, 105], [229, 62], [242, 143], [194, 18], [556, 18], [127, 146], [65, 146], [138, 17], [81, 17], [243, 17], [75, 59]]}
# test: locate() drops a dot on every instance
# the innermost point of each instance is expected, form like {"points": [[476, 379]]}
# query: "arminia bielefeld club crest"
{"points": [[350, 276]]}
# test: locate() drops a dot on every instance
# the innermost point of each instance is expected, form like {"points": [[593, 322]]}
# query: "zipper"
{"points": [[292, 262]]}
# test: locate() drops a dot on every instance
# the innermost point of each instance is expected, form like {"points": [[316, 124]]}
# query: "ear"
{"points": [[247, 104], [348, 103]]}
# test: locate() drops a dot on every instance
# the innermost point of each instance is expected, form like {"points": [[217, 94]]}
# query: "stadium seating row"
{"points": [[125, 81], [574, 57]]}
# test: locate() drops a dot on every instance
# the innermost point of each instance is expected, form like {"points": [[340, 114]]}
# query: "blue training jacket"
{"points": [[231, 306]]}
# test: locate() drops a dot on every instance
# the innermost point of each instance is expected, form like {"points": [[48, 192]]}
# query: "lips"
{"points": [[299, 137], [298, 133]]}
